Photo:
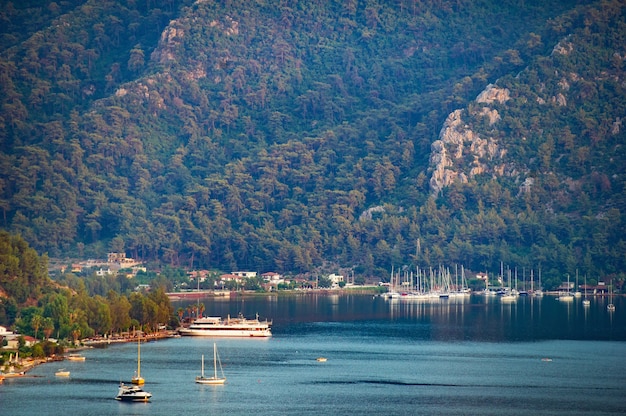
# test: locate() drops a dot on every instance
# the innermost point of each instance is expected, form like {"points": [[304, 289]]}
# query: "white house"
{"points": [[273, 278], [335, 280], [244, 275]]}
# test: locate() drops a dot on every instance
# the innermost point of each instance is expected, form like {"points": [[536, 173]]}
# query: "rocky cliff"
{"points": [[460, 153]]}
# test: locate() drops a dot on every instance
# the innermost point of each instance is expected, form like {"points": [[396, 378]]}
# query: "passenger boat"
{"points": [[213, 326], [128, 393]]}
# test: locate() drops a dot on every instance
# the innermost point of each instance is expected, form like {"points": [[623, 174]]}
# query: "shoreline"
{"points": [[92, 342], [204, 294], [30, 363]]}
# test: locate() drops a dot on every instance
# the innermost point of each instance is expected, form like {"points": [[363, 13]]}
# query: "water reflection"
{"points": [[463, 318]]}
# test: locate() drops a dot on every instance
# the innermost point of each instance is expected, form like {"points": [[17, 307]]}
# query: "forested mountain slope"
{"points": [[288, 135]]}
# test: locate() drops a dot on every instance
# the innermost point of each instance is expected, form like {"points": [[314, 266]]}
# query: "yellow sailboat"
{"points": [[137, 379]]}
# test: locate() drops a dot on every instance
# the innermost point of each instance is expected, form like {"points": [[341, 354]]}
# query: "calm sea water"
{"points": [[473, 357]]}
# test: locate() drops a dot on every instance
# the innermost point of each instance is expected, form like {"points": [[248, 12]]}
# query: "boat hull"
{"points": [[134, 398], [210, 380], [239, 333], [139, 381]]}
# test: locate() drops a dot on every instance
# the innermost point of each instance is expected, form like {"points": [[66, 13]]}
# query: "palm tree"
{"points": [[48, 327], [35, 322]]}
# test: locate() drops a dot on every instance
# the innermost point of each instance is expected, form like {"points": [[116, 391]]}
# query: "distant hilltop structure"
{"points": [[113, 263], [121, 260]]}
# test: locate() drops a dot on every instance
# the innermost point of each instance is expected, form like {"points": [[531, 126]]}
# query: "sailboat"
{"points": [[586, 302], [508, 295], [610, 307], [201, 379], [137, 379], [538, 292], [577, 293], [566, 296]]}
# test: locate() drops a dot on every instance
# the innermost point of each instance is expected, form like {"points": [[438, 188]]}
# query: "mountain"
{"points": [[309, 136]]}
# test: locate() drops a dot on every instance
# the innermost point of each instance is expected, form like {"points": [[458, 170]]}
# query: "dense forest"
{"points": [[294, 136]]}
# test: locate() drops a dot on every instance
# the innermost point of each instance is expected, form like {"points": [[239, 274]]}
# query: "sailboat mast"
{"points": [[138, 357], [214, 361]]}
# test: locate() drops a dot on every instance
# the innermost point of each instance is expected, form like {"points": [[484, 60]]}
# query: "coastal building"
{"points": [[4, 334], [13, 341], [198, 275], [271, 280], [335, 279], [102, 272], [244, 275], [231, 277]]}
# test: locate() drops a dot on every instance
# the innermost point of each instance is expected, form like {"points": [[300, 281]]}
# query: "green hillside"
{"points": [[295, 136]]}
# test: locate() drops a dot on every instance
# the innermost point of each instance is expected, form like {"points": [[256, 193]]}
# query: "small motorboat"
{"points": [[128, 393], [62, 373], [321, 359]]}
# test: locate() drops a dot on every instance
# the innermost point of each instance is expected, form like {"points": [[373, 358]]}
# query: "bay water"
{"points": [[474, 356]]}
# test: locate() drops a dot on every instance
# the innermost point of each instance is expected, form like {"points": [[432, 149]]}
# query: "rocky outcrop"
{"points": [[492, 94], [460, 153], [367, 214], [171, 39]]}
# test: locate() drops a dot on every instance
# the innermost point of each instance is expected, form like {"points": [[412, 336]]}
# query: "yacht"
{"points": [[128, 393], [215, 326]]}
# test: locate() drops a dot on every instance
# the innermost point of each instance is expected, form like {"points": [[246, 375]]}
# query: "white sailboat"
{"points": [[137, 379], [201, 379], [566, 296], [610, 307], [586, 302], [538, 292], [577, 293]]}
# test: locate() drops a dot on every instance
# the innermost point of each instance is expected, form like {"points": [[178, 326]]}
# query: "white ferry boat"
{"points": [[215, 326]]}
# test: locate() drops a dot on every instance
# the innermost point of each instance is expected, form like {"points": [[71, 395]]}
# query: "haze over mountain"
{"points": [[308, 135]]}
